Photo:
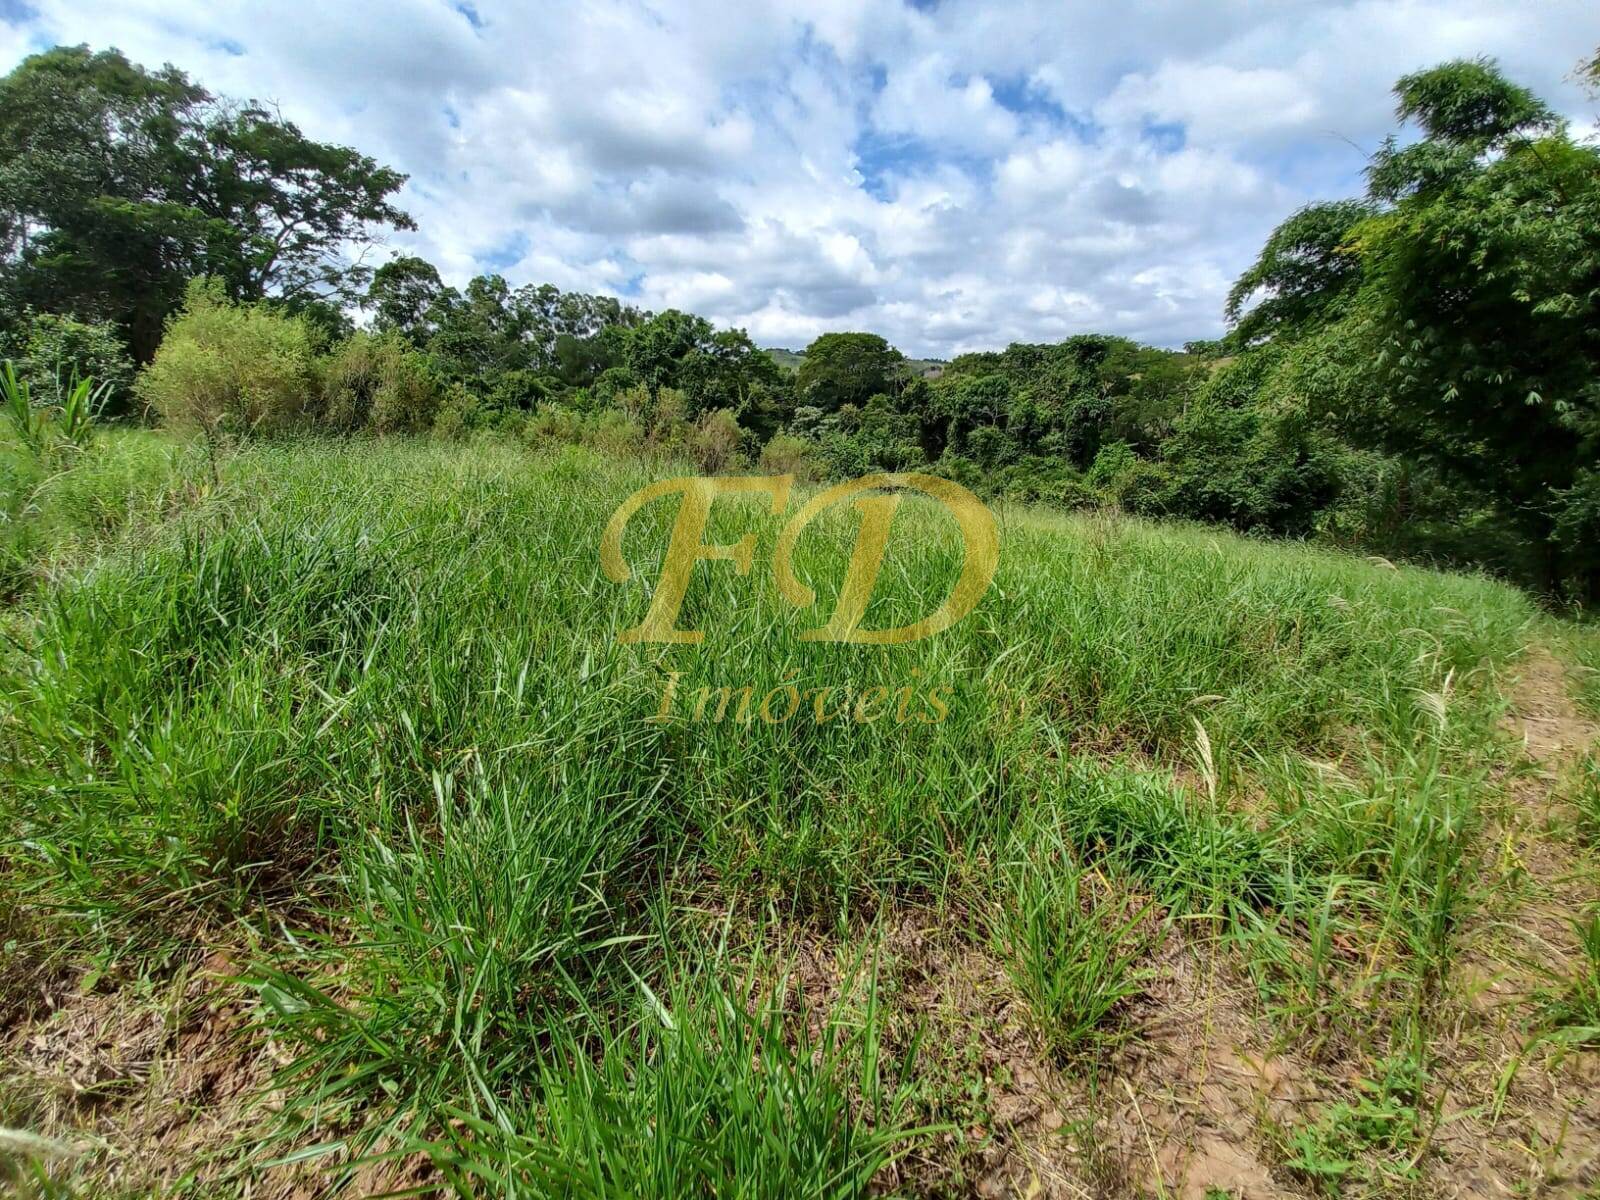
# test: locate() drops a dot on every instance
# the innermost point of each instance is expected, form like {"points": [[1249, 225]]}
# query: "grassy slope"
{"points": [[363, 721]]}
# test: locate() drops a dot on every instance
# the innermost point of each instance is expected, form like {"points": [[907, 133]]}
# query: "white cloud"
{"points": [[954, 178], [928, 100], [1216, 104]]}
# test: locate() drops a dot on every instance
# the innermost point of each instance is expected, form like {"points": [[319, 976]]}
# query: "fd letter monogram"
{"points": [[980, 544]]}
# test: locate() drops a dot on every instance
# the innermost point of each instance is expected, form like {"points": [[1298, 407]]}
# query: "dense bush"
{"points": [[231, 368], [52, 351], [785, 454], [379, 382], [716, 441]]}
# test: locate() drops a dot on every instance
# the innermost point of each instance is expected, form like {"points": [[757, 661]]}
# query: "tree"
{"points": [[480, 333], [91, 222], [658, 346], [846, 368], [402, 297], [714, 370], [1305, 274], [295, 205], [118, 185], [728, 371], [1480, 298]]}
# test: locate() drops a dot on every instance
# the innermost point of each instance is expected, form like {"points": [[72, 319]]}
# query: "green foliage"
{"points": [[1496, 385], [1306, 274], [1468, 103], [1410, 372], [716, 443], [1251, 468], [45, 430], [714, 370], [1442, 322], [786, 454], [1114, 462], [878, 437], [1385, 1117], [379, 383], [1071, 944], [609, 431], [28, 422], [367, 701], [712, 1091], [55, 353], [121, 184], [1572, 1011], [846, 368], [55, 507], [403, 297], [231, 369]]}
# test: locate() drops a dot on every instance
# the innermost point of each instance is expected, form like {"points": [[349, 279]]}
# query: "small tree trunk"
{"points": [[211, 455], [1552, 566]]}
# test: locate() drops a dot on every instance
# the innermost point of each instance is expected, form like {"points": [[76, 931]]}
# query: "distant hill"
{"points": [[789, 360], [922, 368]]}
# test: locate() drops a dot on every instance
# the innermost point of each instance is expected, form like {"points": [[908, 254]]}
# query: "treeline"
{"points": [[1411, 372]]}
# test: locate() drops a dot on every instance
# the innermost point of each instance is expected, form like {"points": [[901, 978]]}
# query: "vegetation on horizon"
{"points": [[1411, 373]]}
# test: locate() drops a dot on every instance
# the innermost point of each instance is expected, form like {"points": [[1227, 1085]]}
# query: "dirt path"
{"points": [[1190, 1098], [1523, 1117], [1543, 714]]}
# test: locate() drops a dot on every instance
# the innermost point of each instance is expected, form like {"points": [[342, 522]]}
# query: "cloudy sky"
{"points": [[954, 174]]}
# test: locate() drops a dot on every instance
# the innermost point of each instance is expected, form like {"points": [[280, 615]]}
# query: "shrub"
{"points": [[458, 414], [716, 441], [227, 368], [55, 351], [521, 390], [1077, 493], [666, 416], [1144, 489], [613, 381], [552, 423], [786, 454], [615, 433], [1114, 460], [610, 431], [379, 382]]}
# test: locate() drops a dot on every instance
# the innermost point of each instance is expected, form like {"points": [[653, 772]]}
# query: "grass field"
{"points": [[341, 850]]}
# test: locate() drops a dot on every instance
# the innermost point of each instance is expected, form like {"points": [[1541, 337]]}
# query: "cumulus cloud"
{"points": [[955, 176]]}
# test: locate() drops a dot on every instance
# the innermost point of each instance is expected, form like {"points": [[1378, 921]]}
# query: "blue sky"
{"points": [[953, 175]]}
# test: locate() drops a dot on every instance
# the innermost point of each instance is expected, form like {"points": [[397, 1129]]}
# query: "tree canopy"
{"points": [[1464, 286], [847, 368], [118, 185]]}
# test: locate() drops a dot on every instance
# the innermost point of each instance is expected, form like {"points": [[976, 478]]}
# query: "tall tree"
{"points": [[714, 369], [847, 368], [404, 296], [1305, 275], [119, 184], [1482, 298]]}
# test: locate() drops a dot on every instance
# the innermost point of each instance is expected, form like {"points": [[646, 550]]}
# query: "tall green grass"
{"points": [[365, 707]]}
